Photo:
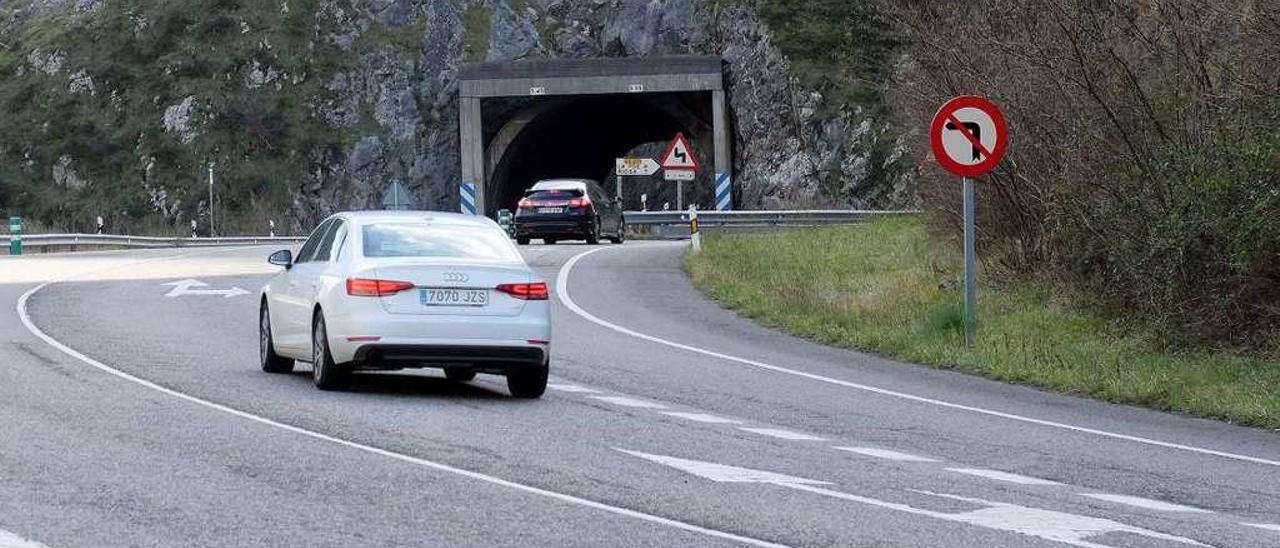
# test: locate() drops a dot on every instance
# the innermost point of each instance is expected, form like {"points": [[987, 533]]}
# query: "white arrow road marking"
{"points": [[187, 287], [701, 417], [629, 402], [782, 434], [1045, 524], [886, 454], [1002, 476], [562, 290], [1149, 504], [10, 540]]}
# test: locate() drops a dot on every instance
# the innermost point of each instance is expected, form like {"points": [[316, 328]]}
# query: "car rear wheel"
{"points": [[271, 362], [326, 374], [549, 241], [528, 384], [593, 237], [522, 240], [460, 375]]}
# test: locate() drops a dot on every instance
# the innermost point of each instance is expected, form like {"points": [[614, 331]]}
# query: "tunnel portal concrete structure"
{"points": [[512, 114]]}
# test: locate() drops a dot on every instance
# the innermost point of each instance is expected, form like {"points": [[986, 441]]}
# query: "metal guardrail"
{"points": [[111, 240], [760, 218]]}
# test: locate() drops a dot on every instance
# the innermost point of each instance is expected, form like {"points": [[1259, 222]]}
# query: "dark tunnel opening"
{"points": [[581, 137]]}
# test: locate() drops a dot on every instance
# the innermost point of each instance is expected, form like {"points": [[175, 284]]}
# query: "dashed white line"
{"points": [[1149, 504], [886, 454], [701, 417], [782, 434], [1002, 476], [562, 291], [424, 463], [10, 540], [571, 388], [1264, 526], [629, 402]]}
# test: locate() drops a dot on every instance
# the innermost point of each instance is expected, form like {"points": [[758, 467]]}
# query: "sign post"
{"points": [[968, 138], [681, 164], [15, 235]]}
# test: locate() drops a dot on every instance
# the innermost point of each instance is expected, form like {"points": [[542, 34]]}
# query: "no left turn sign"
{"points": [[968, 136]]}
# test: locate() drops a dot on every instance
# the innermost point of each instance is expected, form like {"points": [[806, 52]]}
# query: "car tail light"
{"points": [[581, 202], [362, 287], [526, 203], [526, 292]]}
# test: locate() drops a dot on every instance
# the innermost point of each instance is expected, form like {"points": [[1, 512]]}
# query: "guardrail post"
{"points": [[15, 235], [695, 235]]}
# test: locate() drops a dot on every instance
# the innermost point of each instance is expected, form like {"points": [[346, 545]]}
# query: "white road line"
{"points": [[886, 454], [562, 497], [1149, 504], [629, 402], [10, 540], [562, 290], [1264, 526], [782, 434], [571, 388], [1002, 476], [702, 417]]}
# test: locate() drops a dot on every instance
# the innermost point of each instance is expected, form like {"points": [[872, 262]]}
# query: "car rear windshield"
{"points": [[554, 194], [456, 241]]}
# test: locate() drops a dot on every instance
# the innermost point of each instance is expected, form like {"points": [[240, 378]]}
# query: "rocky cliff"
{"points": [[306, 107]]}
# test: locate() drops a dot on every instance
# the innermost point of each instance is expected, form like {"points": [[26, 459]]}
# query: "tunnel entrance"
{"points": [[524, 121]]}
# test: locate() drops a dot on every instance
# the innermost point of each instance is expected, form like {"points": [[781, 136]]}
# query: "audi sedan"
{"points": [[379, 291]]}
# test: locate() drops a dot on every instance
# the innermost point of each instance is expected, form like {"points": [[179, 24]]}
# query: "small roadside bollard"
{"points": [[644, 202], [507, 221], [271, 228], [101, 224], [193, 230], [695, 235], [15, 235]]}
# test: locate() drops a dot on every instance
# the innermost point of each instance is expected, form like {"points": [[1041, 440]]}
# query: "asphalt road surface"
{"points": [[133, 413]]}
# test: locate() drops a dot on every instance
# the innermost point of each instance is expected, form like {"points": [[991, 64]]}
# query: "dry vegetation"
{"points": [[1145, 164]]}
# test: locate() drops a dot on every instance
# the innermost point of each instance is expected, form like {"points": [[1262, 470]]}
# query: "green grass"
{"points": [[887, 287]]}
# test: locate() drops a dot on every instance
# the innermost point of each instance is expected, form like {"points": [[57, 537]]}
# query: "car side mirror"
{"points": [[284, 258]]}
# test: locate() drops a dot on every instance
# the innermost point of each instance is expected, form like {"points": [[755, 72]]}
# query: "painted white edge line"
{"points": [[1263, 526], [562, 290], [26, 321], [885, 454], [1149, 504], [10, 540], [782, 434], [1002, 476], [571, 388]]}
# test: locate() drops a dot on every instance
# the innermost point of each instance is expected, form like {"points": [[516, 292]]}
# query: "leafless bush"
{"points": [[1143, 162]]}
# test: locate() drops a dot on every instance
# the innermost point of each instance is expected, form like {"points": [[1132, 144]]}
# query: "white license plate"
{"points": [[551, 210], [454, 297]]}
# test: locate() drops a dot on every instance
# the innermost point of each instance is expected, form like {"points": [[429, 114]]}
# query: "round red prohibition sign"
{"points": [[968, 136]]}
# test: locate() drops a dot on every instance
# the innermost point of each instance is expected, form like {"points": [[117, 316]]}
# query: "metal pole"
{"points": [[211, 200], [679, 195], [970, 265], [618, 197]]}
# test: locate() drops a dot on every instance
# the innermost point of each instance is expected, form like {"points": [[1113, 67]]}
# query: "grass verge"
{"points": [[887, 287]]}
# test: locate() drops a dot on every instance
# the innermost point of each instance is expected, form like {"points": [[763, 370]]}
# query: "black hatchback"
{"points": [[569, 209]]}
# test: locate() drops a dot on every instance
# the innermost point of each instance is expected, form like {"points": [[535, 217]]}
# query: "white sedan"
{"points": [[394, 290]]}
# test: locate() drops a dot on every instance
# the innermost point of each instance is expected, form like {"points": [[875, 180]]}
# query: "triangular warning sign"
{"points": [[680, 155]]}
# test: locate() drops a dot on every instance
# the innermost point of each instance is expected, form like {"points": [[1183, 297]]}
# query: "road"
{"points": [[135, 415]]}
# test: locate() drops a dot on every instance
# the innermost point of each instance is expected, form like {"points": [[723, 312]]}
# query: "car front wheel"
{"points": [[326, 374]]}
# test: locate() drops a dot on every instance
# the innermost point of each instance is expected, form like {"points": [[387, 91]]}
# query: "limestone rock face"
{"points": [[391, 94]]}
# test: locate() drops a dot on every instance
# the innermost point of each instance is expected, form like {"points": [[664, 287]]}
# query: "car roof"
{"points": [[369, 217], [554, 184]]}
